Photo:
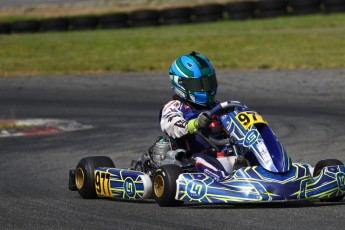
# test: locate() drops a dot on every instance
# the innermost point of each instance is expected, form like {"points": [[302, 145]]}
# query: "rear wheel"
{"points": [[84, 174], [317, 170], [164, 185]]}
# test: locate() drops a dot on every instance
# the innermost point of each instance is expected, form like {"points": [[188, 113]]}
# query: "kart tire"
{"points": [[54, 24], [333, 6], [164, 185], [240, 10], [27, 26], [317, 170], [304, 3], [84, 174], [5, 28], [302, 7], [208, 12], [334, 9], [271, 8], [333, 1], [176, 12], [84, 22], [173, 16], [114, 20], [141, 18]]}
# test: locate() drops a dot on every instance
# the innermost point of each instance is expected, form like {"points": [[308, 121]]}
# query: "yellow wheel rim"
{"points": [[79, 178], [159, 185]]}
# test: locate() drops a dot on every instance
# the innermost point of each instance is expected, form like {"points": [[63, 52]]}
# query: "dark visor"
{"points": [[206, 83]]}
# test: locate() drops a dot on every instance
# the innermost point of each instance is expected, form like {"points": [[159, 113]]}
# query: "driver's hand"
{"points": [[203, 121]]}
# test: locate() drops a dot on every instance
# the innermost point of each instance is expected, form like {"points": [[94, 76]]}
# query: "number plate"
{"points": [[249, 118], [102, 183]]}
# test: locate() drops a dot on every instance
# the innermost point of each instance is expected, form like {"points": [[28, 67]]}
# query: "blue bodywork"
{"points": [[258, 139], [256, 184], [274, 177], [122, 183]]}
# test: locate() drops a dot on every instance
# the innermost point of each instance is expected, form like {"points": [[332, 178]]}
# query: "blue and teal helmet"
{"points": [[193, 78]]}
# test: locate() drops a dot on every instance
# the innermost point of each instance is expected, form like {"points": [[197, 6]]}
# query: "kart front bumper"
{"points": [[255, 184]]}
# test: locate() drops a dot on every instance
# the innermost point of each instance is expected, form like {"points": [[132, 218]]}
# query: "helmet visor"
{"points": [[200, 84]]}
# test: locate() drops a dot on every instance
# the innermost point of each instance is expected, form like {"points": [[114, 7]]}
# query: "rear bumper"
{"points": [[127, 184], [71, 182]]}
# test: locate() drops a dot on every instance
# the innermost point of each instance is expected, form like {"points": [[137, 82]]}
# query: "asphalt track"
{"points": [[304, 107]]}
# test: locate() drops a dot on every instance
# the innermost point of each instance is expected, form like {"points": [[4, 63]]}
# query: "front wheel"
{"points": [[317, 170], [84, 174], [164, 185]]}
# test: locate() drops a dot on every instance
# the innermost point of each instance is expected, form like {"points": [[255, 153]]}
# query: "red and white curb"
{"points": [[30, 127]]}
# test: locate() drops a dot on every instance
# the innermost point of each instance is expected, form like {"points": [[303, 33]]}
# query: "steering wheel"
{"points": [[225, 105], [218, 108]]}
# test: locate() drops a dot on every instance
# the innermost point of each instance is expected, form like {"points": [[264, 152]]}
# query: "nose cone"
{"points": [[272, 155]]}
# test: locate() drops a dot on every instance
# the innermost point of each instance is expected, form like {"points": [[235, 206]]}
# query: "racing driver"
{"points": [[194, 83]]}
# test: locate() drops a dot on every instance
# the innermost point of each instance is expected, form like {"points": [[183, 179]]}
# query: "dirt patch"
{"points": [[69, 9]]}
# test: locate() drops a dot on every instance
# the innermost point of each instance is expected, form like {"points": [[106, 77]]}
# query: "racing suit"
{"points": [[173, 121]]}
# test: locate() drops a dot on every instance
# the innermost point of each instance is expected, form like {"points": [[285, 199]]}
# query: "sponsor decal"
{"points": [[264, 151], [129, 187], [251, 137], [211, 174], [196, 189]]}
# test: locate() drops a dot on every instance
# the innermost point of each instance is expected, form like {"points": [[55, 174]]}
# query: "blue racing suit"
{"points": [[173, 121]]}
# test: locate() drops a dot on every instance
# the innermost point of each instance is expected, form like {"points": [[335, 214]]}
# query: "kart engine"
{"points": [[160, 149], [163, 152]]}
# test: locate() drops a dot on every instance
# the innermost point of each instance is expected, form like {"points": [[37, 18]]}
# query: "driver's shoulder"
{"points": [[172, 104]]}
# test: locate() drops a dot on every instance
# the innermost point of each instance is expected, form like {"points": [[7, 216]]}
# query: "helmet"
{"points": [[193, 78]]}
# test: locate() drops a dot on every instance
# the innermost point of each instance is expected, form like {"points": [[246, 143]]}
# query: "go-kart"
{"points": [[168, 175]]}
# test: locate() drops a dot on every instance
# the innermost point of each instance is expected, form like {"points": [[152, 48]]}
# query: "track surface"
{"points": [[305, 109]]}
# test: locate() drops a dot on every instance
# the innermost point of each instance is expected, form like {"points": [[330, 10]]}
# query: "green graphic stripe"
{"points": [[323, 194], [205, 70], [183, 68]]}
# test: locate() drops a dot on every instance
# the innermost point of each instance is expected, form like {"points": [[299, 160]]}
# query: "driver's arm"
{"points": [[174, 124], [172, 120]]}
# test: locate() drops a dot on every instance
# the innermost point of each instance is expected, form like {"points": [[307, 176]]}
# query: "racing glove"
{"points": [[201, 122]]}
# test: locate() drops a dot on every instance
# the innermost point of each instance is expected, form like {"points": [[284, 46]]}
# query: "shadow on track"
{"points": [[271, 205], [280, 205]]}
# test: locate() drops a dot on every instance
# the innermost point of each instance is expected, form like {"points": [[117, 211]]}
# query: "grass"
{"points": [[315, 41]]}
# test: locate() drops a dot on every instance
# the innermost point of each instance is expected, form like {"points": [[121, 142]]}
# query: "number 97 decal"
{"points": [[102, 183], [249, 118]]}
